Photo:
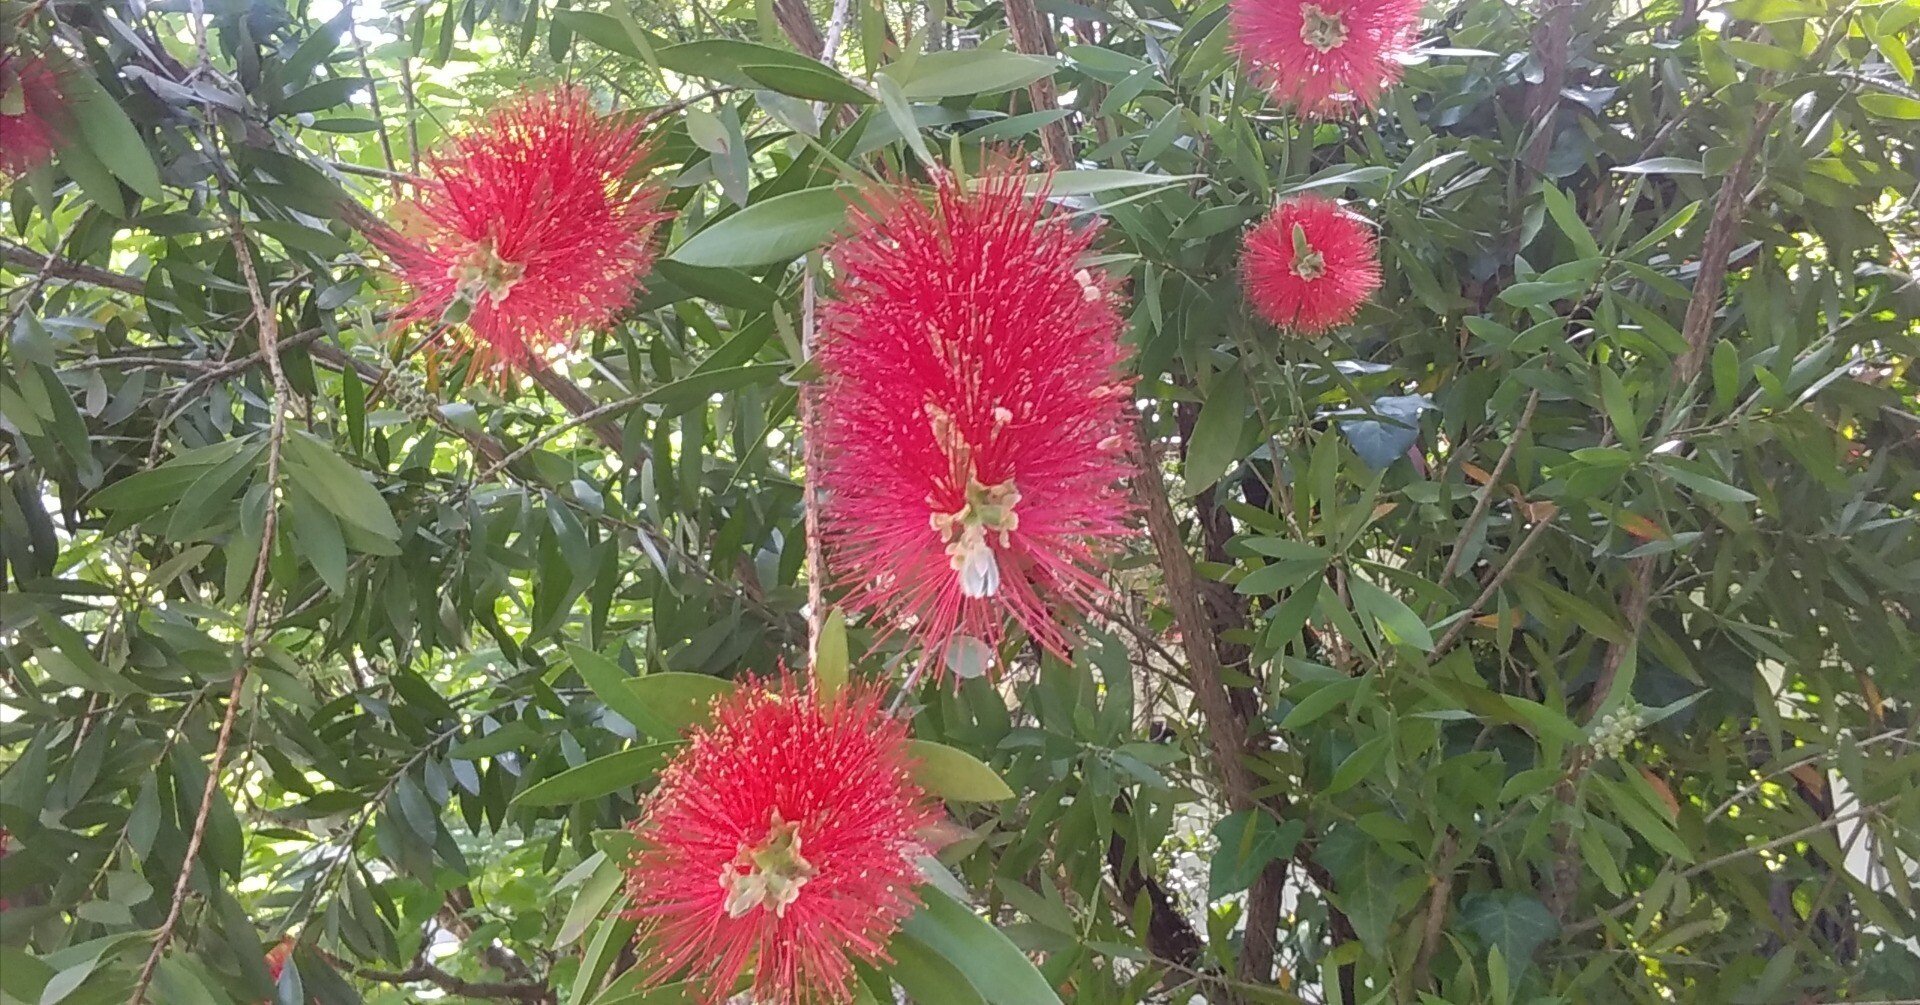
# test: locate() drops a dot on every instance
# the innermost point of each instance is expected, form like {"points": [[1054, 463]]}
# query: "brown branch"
{"points": [[1226, 732], [796, 21], [1729, 211], [1551, 36], [426, 973], [55, 267], [1492, 489], [582, 406], [1794, 837], [1436, 917], [1452, 638], [1032, 36], [267, 326]]}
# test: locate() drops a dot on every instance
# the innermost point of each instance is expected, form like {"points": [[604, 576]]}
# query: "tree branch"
{"points": [[1031, 36], [55, 267], [267, 326], [536, 992]]}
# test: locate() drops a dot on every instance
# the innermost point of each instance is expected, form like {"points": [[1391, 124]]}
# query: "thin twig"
{"points": [[268, 328], [1493, 488], [1871, 809], [810, 489], [1452, 638]]}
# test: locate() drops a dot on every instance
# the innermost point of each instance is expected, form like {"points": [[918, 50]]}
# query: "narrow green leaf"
{"points": [[601, 776], [338, 486], [1092, 181], [1215, 445], [609, 682], [107, 132], [1618, 403], [1890, 106], [814, 83], [667, 703], [951, 773], [1567, 218], [990, 962], [591, 902], [777, 230], [1636, 814], [1663, 165], [938, 75], [1401, 625], [1712, 488], [1323, 700], [830, 659], [899, 111]]}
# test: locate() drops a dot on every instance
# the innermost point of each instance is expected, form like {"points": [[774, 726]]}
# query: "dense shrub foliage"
{"points": [[1546, 631]]}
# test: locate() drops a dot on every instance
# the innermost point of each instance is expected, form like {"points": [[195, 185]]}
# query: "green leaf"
{"points": [[608, 33], [900, 112], [1712, 488], [338, 486], [1567, 218], [1891, 106], [609, 682], [926, 976], [107, 132], [937, 75], [1663, 165], [998, 970], [1276, 576], [814, 83], [830, 659], [1323, 700], [1248, 840], [1286, 549], [591, 902], [1726, 374], [1092, 181], [771, 232], [321, 96], [601, 776], [512, 736], [951, 773], [1359, 764], [1515, 921], [727, 60], [697, 389], [1401, 625], [1637, 815], [1215, 445], [1618, 403], [667, 703]]}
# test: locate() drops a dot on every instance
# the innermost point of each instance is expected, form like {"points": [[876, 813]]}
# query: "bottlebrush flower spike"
{"points": [[1324, 58], [975, 423], [277, 958], [30, 104], [780, 840], [1309, 264], [528, 230]]}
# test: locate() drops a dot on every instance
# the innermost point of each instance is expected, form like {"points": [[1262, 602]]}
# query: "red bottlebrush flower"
{"points": [[277, 958], [1324, 58], [780, 840], [30, 104], [1309, 264], [4, 849], [529, 229], [975, 424]]}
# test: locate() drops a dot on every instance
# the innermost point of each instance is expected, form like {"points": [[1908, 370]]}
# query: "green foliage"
{"points": [[1552, 481]]}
